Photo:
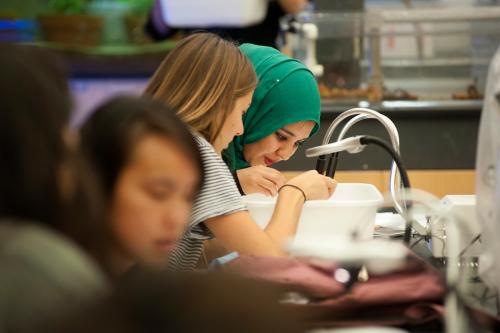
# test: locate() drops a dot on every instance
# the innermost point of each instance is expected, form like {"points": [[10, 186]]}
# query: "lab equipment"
{"points": [[355, 145], [359, 114], [456, 320], [377, 255], [349, 212], [454, 223], [469, 244], [434, 53], [487, 175], [453, 215]]}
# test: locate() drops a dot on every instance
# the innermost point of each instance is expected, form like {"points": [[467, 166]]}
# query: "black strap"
{"points": [[237, 181]]}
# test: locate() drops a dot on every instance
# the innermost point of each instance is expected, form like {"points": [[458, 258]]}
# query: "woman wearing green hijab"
{"points": [[284, 112]]}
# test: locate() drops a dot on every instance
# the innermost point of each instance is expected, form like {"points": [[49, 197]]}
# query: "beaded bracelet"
{"points": [[296, 187]]}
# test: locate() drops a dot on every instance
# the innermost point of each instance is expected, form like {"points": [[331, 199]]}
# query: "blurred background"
{"points": [[421, 62]]}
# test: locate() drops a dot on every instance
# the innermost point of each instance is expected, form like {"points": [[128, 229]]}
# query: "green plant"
{"points": [[139, 7], [68, 6]]}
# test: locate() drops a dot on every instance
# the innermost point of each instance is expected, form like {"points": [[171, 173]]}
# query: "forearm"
{"points": [[286, 215], [238, 232]]}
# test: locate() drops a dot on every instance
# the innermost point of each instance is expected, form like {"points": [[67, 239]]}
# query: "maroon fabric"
{"points": [[410, 295], [312, 278], [387, 315], [417, 281], [398, 288], [484, 320]]}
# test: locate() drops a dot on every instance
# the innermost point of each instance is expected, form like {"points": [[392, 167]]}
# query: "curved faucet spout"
{"points": [[358, 115]]}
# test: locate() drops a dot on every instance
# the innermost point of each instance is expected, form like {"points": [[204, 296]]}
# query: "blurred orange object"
{"points": [[77, 30]]}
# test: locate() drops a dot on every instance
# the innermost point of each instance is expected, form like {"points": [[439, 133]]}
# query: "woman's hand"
{"points": [[314, 185], [260, 179]]}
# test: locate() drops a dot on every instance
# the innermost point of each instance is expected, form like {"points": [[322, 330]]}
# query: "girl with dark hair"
{"points": [[43, 178], [151, 170], [37, 149], [45, 194]]}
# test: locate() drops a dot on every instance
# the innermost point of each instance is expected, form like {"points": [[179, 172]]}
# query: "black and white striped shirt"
{"points": [[218, 196]]}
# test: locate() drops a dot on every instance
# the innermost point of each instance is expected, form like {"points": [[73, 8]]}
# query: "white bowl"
{"points": [[350, 211]]}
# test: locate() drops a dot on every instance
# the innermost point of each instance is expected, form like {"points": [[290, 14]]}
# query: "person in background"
{"points": [[284, 113], [50, 216], [151, 170], [263, 33], [210, 83]]}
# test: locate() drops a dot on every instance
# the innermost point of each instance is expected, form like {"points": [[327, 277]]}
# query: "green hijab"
{"points": [[286, 93]]}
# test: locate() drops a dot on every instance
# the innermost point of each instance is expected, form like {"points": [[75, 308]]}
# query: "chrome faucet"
{"points": [[359, 114]]}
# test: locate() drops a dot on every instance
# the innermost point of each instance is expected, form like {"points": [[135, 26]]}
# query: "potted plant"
{"points": [[68, 22], [136, 20]]}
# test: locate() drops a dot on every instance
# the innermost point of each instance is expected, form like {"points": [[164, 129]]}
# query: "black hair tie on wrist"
{"points": [[296, 187]]}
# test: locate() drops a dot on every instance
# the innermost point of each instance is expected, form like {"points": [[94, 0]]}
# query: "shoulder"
{"points": [[29, 238], [43, 263], [201, 141], [219, 194], [206, 149]]}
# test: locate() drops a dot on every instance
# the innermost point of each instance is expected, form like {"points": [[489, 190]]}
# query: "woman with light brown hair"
{"points": [[211, 83], [202, 78]]}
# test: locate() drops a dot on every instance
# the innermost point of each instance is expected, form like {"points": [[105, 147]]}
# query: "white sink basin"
{"points": [[350, 211]]}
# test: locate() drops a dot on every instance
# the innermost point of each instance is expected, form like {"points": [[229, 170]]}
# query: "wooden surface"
{"points": [[437, 182]]}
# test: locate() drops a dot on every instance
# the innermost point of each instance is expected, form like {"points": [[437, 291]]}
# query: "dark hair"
{"points": [[34, 114], [112, 131], [34, 109], [209, 302]]}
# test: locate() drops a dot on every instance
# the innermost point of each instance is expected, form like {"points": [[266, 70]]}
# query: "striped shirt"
{"points": [[218, 196]]}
